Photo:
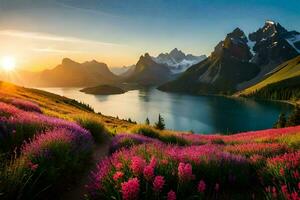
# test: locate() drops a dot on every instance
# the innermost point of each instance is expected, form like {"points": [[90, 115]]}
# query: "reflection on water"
{"points": [[203, 114]]}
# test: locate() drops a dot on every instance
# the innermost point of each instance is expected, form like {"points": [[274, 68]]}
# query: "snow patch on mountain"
{"points": [[293, 40], [251, 45], [184, 65]]}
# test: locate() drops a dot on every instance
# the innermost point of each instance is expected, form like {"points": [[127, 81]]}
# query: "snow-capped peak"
{"points": [[177, 60], [270, 22]]}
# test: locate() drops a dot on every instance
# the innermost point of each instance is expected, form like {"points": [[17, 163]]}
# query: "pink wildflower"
{"points": [[281, 171], [130, 189], [171, 195], [296, 174], [32, 166], [201, 186], [149, 172], [285, 191], [185, 172], [119, 166], [284, 188], [118, 175], [158, 183], [137, 165], [153, 162], [295, 196]]}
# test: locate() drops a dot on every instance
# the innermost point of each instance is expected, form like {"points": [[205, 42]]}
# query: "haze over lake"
{"points": [[202, 114]]}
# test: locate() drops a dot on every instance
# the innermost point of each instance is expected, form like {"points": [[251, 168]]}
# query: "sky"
{"points": [[39, 33]]}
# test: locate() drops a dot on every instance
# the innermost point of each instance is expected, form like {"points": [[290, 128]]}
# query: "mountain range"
{"points": [[93, 73], [151, 70], [176, 60], [239, 62], [71, 74]]}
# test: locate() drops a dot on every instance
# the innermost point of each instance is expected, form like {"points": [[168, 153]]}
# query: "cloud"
{"points": [[54, 38], [88, 10], [52, 50]]}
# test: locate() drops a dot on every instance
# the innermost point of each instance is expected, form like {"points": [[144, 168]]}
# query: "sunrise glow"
{"points": [[8, 63]]}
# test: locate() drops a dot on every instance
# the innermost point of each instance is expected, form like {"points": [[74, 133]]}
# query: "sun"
{"points": [[8, 63]]}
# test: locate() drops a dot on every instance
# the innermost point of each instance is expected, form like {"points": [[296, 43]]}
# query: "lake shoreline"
{"points": [[236, 96], [205, 114]]}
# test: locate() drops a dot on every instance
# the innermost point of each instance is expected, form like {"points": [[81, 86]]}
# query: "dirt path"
{"points": [[77, 191]]}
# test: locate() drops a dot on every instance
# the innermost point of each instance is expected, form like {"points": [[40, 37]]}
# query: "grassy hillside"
{"points": [[285, 76]]}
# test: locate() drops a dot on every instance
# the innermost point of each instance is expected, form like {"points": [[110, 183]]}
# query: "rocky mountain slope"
{"points": [[273, 43], [226, 67], [148, 72], [271, 46]]}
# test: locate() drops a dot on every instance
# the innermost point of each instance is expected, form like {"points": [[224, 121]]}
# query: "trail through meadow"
{"points": [[78, 189]]}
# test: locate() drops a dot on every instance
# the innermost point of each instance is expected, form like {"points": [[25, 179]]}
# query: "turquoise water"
{"points": [[201, 114]]}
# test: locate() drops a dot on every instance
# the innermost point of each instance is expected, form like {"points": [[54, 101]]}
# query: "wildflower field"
{"points": [[47, 141], [254, 165], [38, 151]]}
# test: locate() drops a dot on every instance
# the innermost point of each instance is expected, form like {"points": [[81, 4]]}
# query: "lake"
{"points": [[201, 114]]}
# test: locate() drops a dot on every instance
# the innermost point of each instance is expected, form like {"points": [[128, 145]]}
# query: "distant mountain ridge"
{"points": [[151, 70], [93, 73], [119, 71], [177, 60], [73, 74], [237, 63]]}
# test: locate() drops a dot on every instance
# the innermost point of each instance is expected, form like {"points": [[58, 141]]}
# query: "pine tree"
{"points": [[294, 118], [147, 122], [161, 123], [281, 122]]}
